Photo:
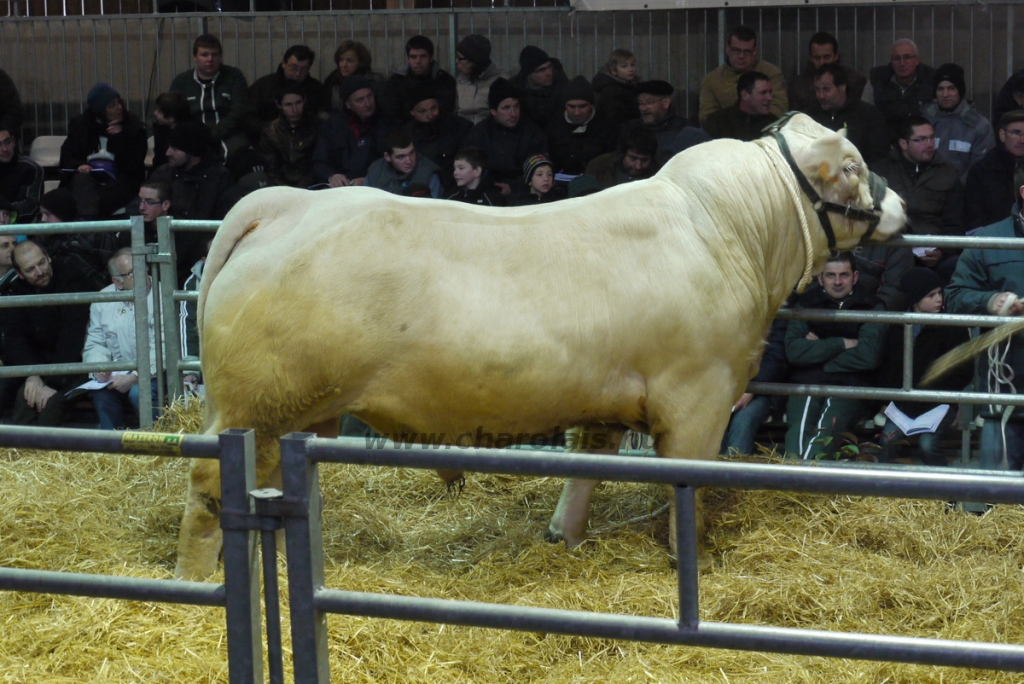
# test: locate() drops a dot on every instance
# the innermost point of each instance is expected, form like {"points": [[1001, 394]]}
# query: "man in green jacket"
{"points": [[830, 353], [991, 281]]}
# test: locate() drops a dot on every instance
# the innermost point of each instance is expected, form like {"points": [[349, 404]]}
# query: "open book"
{"points": [[926, 422]]}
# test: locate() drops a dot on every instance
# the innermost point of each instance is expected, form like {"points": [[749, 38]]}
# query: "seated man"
{"points": [[582, 132], [506, 137], [351, 139], [401, 168], [931, 188], [201, 188], [990, 282], [830, 353], [21, 178], [540, 83], [962, 135], [923, 291], [294, 69], [45, 334], [437, 134], [835, 109], [287, 142], [420, 71], [902, 87], [674, 132], [218, 95], [989, 194], [718, 89], [822, 48], [633, 160], [111, 337], [745, 119]]}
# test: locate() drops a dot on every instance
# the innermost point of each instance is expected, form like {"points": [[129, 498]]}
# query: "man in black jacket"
{"points": [[834, 109], [989, 194], [21, 178], [582, 132], [45, 334], [903, 86], [294, 68]]}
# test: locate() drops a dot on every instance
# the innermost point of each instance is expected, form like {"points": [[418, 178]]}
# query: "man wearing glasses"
{"points": [[902, 87], [990, 190], [111, 337], [718, 89]]}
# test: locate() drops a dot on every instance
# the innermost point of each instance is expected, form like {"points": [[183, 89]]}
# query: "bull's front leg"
{"points": [[199, 541], [569, 522]]}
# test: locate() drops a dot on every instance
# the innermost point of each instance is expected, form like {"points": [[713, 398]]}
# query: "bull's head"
{"points": [[852, 203]]}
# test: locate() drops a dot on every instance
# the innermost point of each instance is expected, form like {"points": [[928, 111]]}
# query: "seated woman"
{"points": [[923, 291], [352, 59]]}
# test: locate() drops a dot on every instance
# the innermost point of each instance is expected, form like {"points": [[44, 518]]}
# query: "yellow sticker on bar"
{"points": [[152, 443]]}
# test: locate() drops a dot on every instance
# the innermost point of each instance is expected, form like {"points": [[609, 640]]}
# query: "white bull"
{"points": [[643, 306]]}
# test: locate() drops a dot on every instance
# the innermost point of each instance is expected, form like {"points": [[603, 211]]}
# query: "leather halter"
{"points": [[876, 183]]}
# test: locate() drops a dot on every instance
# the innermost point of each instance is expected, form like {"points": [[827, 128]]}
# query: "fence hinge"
{"points": [[271, 510]]}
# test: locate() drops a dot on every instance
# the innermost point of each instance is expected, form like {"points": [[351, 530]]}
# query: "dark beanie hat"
{"points": [[351, 85], [579, 88], [191, 137], [532, 57], [659, 88], [583, 185], [500, 90], [99, 97], [917, 282], [475, 48], [954, 73], [60, 203], [534, 163], [418, 93]]}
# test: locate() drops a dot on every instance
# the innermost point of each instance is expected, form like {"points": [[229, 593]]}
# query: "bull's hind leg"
{"points": [[569, 523]]}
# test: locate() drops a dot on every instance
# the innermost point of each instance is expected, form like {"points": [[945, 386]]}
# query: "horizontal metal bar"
{"points": [[186, 295], [922, 483], [966, 242], [32, 229], [184, 225], [102, 586], [64, 368], [885, 393], [810, 642], [65, 298], [894, 317], [109, 442]]}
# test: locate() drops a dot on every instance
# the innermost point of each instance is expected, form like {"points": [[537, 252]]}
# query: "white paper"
{"points": [[95, 385], [926, 422], [922, 251]]}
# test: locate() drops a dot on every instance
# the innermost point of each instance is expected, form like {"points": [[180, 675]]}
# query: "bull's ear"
{"points": [[825, 157]]}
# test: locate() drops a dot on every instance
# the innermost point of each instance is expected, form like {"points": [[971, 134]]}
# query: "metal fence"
{"points": [[55, 61], [239, 596]]}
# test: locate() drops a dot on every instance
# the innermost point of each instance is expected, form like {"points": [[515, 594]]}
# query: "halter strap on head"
{"points": [[876, 184]]}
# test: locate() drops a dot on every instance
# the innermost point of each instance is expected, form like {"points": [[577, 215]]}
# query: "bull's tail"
{"points": [[967, 351]]}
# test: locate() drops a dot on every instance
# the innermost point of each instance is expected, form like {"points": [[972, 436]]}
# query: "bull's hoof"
{"points": [[552, 537], [454, 486]]}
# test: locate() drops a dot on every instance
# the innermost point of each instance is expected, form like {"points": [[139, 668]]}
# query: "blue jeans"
{"points": [[110, 405], [744, 424]]}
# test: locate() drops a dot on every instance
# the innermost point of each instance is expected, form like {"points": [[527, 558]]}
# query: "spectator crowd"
{"points": [[532, 135]]}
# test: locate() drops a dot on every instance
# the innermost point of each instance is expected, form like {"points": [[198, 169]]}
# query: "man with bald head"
{"points": [[45, 334], [902, 87]]}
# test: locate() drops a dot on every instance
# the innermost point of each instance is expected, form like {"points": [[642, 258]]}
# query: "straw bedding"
{"points": [[837, 563]]}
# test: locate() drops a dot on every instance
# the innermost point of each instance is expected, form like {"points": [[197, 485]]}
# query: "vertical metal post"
{"points": [[686, 555], [453, 37], [304, 542], [271, 591], [241, 561], [143, 360], [167, 283], [908, 356]]}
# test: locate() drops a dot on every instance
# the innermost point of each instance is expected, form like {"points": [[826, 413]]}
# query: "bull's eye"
{"points": [[852, 168]]}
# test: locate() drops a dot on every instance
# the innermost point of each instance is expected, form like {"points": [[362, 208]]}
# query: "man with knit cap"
{"points": [[475, 73], [718, 89], [582, 132], [201, 188], [540, 82], [351, 139], [674, 133], [989, 192], [437, 134], [962, 135], [506, 137], [218, 96], [21, 178]]}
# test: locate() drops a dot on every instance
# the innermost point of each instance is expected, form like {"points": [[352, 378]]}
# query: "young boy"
{"points": [[616, 86], [473, 188], [539, 177], [401, 167]]}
